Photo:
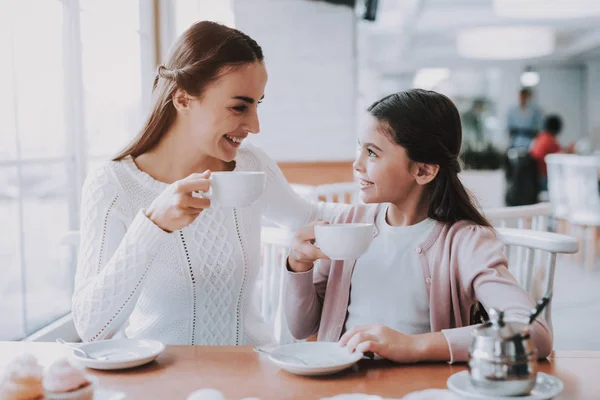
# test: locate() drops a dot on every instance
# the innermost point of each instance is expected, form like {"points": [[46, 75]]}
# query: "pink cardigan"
{"points": [[462, 263]]}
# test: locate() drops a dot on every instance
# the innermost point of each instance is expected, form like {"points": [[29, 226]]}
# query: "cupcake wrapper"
{"points": [[85, 393]]}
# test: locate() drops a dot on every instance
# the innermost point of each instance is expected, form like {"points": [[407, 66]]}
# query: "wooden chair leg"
{"points": [[590, 248], [574, 231], [581, 232], [562, 226]]}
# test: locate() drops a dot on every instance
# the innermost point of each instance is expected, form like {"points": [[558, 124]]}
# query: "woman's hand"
{"points": [[304, 253], [175, 207], [397, 346]]}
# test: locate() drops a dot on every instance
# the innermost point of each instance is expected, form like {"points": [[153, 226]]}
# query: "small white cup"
{"points": [[235, 188], [344, 241]]}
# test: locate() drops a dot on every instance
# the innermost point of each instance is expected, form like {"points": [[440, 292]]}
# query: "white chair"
{"points": [[584, 202], [535, 217], [71, 238], [275, 246], [341, 192], [550, 243], [576, 179], [556, 185]]}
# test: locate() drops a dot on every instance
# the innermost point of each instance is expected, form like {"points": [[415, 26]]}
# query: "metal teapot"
{"points": [[502, 358]]}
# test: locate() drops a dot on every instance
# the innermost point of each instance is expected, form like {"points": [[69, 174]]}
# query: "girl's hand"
{"points": [[304, 253], [397, 346], [383, 341], [175, 207]]}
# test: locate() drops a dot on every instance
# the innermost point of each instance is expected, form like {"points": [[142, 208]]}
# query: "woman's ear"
{"points": [[181, 100], [424, 173]]}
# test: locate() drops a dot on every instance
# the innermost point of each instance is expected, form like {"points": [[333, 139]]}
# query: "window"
{"points": [[112, 75], [76, 77], [186, 12]]}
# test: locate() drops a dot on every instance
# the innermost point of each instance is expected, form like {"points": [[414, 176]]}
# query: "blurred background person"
{"points": [[524, 120], [546, 143], [473, 126]]}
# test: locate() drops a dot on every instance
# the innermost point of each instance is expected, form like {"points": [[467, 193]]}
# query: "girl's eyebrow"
{"points": [[373, 145]]}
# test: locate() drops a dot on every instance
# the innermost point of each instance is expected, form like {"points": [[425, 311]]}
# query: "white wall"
{"points": [[309, 108], [592, 93], [561, 91]]}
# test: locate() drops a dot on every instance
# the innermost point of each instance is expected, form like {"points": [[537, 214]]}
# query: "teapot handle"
{"points": [[541, 304], [496, 317]]}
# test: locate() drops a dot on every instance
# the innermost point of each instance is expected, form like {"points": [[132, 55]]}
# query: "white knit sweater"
{"points": [[192, 286]]}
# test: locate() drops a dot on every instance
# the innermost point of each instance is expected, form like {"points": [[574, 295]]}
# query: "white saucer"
{"points": [[546, 387], [119, 353], [323, 358]]}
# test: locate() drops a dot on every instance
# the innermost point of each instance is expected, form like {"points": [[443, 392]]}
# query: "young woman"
{"points": [[434, 256], [157, 262]]}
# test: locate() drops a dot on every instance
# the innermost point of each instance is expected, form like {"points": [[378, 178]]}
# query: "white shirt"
{"points": [[388, 286], [192, 286]]}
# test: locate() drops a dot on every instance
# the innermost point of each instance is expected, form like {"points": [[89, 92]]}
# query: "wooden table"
{"points": [[240, 372]]}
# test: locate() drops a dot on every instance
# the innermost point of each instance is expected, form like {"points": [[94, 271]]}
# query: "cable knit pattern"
{"points": [[193, 286]]}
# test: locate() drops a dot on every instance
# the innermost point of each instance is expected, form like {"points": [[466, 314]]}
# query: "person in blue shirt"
{"points": [[524, 120]]}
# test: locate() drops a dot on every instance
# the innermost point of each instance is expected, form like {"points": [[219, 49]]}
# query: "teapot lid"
{"points": [[497, 327]]}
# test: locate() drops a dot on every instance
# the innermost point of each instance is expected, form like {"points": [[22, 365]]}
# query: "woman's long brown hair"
{"points": [[199, 57]]}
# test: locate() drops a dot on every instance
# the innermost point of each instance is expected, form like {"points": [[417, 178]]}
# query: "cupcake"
{"points": [[63, 381], [22, 380]]}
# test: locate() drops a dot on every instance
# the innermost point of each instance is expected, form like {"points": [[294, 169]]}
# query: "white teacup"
{"points": [[235, 188], [344, 241]]}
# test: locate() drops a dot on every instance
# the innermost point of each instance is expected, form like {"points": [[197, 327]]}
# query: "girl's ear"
{"points": [[424, 173]]}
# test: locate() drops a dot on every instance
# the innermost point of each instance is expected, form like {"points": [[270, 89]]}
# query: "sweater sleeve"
{"points": [[484, 277], [284, 206], [305, 292], [113, 260], [303, 301]]}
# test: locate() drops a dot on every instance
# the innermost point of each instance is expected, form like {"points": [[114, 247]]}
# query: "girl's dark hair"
{"points": [[201, 55], [427, 124]]}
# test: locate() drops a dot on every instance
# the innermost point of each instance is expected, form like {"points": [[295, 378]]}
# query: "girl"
{"points": [[156, 261], [434, 256]]}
